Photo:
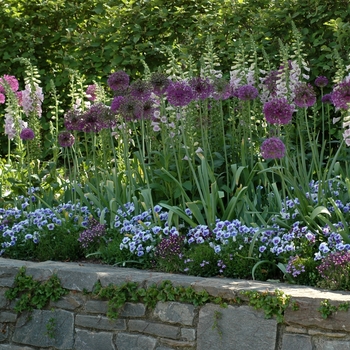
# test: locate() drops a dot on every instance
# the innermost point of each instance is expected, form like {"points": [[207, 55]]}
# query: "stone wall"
{"points": [[78, 321]]}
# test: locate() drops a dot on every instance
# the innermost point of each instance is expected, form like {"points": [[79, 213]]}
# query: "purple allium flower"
{"points": [[271, 82], [91, 92], [27, 134], [11, 81], [321, 81], [341, 94], [179, 94], [118, 80], [72, 120], [327, 98], [273, 148], [305, 95], [66, 139], [202, 88], [141, 89], [117, 101], [278, 111], [148, 108], [98, 117], [130, 108], [160, 82], [247, 92], [2, 98], [222, 89]]}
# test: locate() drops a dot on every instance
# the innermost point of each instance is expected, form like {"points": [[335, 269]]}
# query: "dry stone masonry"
{"points": [[78, 320]]}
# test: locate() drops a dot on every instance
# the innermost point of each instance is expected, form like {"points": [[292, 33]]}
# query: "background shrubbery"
{"points": [[95, 37]]}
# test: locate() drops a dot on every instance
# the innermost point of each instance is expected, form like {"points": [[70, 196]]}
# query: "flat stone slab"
{"points": [[234, 328]]}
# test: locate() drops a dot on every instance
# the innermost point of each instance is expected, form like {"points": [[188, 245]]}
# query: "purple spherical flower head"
{"points": [[179, 93], [247, 92], [202, 88], [141, 89], [72, 120], [2, 98], [341, 94], [131, 108], [118, 80], [305, 95], [27, 134], [148, 108], [222, 89], [94, 119], [278, 111], [66, 139], [327, 98], [273, 148], [117, 101], [160, 82], [321, 81]]}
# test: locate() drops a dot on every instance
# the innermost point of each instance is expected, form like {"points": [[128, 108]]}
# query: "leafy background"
{"points": [[96, 37]]}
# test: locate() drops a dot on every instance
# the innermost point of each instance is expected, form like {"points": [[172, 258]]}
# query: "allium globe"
{"points": [[278, 111], [341, 94], [2, 98], [179, 94], [141, 89], [160, 82], [118, 80], [321, 81], [202, 88], [117, 101], [66, 139], [273, 148], [222, 89], [27, 134], [305, 95], [327, 98], [247, 92]]}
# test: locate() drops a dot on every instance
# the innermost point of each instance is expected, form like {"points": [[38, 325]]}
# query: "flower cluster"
{"points": [[92, 234], [278, 111], [273, 148], [18, 226]]}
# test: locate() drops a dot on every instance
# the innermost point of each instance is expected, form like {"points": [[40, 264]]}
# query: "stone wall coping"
{"points": [[82, 276]]}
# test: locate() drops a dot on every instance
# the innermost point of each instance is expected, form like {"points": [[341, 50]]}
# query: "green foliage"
{"points": [[31, 294], [327, 309], [117, 296], [273, 304]]}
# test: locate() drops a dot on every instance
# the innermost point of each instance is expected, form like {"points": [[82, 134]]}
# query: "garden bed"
{"points": [[78, 319]]}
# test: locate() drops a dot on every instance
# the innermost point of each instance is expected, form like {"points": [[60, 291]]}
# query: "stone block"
{"points": [[234, 328], [4, 331], [308, 316], [126, 341], [325, 344], [173, 312], [86, 340], [296, 341], [68, 302], [188, 334], [133, 310], [8, 316], [35, 329], [157, 329], [99, 322], [96, 306], [3, 301], [14, 347]]}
